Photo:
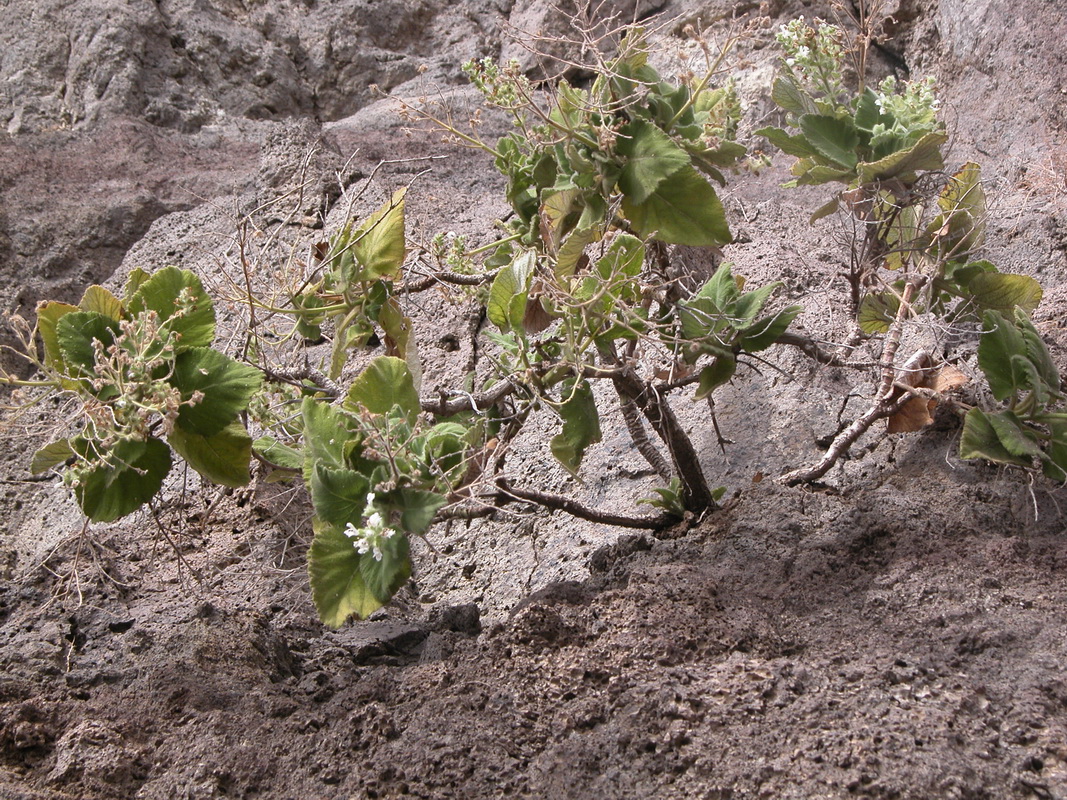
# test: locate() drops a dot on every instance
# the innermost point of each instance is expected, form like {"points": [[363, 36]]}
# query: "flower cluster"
{"points": [[913, 109], [503, 85], [814, 55], [369, 537]]}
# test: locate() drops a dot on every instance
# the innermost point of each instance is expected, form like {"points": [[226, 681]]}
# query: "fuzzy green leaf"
{"points": [[790, 145], [684, 209], [417, 509], [277, 454], [339, 496], [788, 96], [581, 424], [48, 316], [834, 139], [1003, 292], [132, 476], [51, 456], [337, 585], [1001, 340], [327, 431], [98, 299], [925, 154], [715, 375], [226, 386], [222, 458], [75, 334], [160, 293], [507, 296], [384, 577], [651, 158], [385, 383], [981, 440], [379, 244], [877, 311]]}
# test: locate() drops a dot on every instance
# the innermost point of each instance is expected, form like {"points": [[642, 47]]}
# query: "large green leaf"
{"points": [[877, 311], [1037, 353], [327, 432], [161, 293], [1001, 340], [788, 96], [417, 509], [981, 440], [132, 475], [684, 209], [925, 154], [222, 458], [384, 577], [834, 138], [1003, 292], [715, 375], [51, 456], [338, 495], [226, 387], [651, 158], [379, 244], [337, 586], [506, 306], [963, 206], [98, 299], [75, 334], [1056, 463], [48, 316], [791, 145], [385, 383], [581, 424]]}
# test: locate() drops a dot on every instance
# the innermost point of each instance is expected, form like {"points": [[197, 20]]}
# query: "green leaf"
{"points": [[384, 577], [379, 244], [1056, 463], [277, 454], [835, 139], [226, 386], [684, 209], [385, 383], [767, 331], [337, 585], [789, 97], [715, 375], [1037, 353], [417, 509], [721, 288], [651, 158], [877, 312], [48, 316], [339, 496], [134, 281], [506, 306], [825, 210], [867, 113], [790, 145], [981, 440], [570, 252], [100, 300], [581, 424], [222, 458], [75, 334], [327, 430], [748, 305], [1016, 438], [1003, 292], [1001, 340], [925, 154], [132, 475], [51, 456], [160, 293]]}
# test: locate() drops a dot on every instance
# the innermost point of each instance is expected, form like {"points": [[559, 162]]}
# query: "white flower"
{"points": [[368, 538]]}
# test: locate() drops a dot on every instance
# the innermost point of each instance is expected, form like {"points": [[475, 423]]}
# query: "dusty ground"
{"points": [[899, 632]]}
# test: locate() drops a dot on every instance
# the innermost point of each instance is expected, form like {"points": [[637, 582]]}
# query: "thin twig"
{"points": [[574, 508]]}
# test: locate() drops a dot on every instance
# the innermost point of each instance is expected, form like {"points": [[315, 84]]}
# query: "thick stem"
{"points": [[695, 492]]}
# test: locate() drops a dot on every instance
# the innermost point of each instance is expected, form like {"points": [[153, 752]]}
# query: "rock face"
{"points": [[898, 636]]}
